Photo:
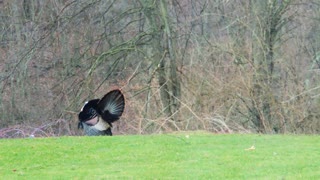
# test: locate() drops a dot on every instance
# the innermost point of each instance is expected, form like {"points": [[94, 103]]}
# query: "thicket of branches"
{"points": [[222, 66]]}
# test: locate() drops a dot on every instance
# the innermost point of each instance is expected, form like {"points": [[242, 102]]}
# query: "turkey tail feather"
{"points": [[111, 106]]}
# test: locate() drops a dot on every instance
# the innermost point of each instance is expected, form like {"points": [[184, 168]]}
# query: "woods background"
{"points": [[217, 65]]}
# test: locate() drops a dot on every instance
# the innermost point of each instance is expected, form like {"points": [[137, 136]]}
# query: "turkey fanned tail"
{"points": [[111, 106]]}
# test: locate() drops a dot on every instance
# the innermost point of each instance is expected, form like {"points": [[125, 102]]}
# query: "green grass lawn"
{"points": [[175, 156]]}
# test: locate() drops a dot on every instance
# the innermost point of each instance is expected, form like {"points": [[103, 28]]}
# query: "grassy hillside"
{"points": [[177, 156]]}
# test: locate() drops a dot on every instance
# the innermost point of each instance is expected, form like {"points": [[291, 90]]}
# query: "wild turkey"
{"points": [[96, 116]]}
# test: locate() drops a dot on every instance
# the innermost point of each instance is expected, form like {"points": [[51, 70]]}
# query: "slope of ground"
{"points": [[174, 156]]}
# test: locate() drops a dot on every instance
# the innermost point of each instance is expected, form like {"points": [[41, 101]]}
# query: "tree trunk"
{"points": [[164, 55], [265, 84]]}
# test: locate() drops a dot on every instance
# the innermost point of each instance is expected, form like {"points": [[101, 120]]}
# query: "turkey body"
{"points": [[97, 115]]}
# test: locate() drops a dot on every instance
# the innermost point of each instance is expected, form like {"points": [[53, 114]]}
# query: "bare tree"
{"points": [[216, 65], [164, 54]]}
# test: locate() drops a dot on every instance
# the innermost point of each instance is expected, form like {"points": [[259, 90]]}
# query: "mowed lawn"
{"points": [[194, 155]]}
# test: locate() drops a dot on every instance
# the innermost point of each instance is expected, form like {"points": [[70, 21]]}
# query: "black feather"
{"points": [[89, 110], [107, 110], [111, 106]]}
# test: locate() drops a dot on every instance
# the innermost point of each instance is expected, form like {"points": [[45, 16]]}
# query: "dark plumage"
{"points": [[97, 115]]}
